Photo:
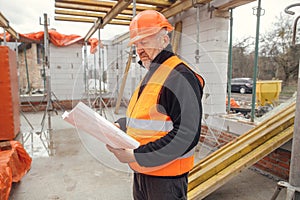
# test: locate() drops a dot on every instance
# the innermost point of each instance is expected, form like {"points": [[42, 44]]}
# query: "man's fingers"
{"points": [[110, 148]]}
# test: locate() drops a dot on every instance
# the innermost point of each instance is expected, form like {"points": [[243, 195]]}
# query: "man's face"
{"points": [[148, 48]]}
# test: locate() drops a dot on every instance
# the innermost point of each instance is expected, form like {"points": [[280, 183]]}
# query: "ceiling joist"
{"points": [[85, 7], [107, 4], [182, 6], [120, 11], [233, 4], [90, 14], [118, 8], [4, 23], [90, 20]]}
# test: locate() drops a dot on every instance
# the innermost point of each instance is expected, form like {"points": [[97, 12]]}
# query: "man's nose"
{"points": [[139, 49]]}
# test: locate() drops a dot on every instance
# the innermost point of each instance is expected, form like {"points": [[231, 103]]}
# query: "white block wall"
{"points": [[66, 69], [213, 46]]}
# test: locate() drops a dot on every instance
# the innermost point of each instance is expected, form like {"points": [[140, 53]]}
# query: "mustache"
{"points": [[143, 55]]}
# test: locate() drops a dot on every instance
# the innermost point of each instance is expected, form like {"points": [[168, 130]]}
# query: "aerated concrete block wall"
{"points": [[66, 71], [213, 52]]}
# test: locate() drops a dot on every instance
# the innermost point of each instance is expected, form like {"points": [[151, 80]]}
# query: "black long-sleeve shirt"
{"points": [[180, 98]]}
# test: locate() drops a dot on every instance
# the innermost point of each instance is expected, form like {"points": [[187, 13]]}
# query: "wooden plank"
{"points": [[218, 165], [79, 13], [3, 21], [238, 146], [233, 4], [93, 29], [252, 157], [245, 137], [159, 3], [88, 8], [90, 14], [12, 32], [120, 95], [119, 22], [74, 19], [182, 6], [108, 4], [176, 36], [120, 6]]}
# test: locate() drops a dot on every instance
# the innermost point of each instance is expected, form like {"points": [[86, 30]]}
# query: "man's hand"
{"points": [[123, 155], [117, 125]]}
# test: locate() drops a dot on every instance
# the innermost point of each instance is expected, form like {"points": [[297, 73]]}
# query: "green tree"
{"points": [[276, 45]]}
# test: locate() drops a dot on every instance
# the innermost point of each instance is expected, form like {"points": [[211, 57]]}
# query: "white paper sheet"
{"points": [[89, 121]]}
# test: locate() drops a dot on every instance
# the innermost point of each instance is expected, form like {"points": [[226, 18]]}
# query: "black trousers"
{"points": [[147, 187]]}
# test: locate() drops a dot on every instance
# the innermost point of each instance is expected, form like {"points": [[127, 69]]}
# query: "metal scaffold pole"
{"points": [[258, 14], [293, 192], [48, 95], [100, 72], [230, 63], [294, 177]]}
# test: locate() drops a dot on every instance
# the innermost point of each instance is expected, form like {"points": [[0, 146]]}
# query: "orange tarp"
{"points": [[55, 38], [14, 164], [233, 103], [9, 98]]}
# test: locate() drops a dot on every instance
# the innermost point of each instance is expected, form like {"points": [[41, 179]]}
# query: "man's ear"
{"points": [[166, 40]]}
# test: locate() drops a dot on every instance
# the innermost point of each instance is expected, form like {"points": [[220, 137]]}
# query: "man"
{"points": [[164, 114]]}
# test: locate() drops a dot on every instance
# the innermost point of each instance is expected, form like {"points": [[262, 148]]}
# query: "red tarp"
{"points": [[14, 164], [55, 38]]}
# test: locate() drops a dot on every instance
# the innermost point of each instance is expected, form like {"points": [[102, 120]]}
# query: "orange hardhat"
{"points": [[146, 23]]}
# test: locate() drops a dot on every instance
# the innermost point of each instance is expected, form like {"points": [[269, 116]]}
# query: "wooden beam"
{"points": [[90, 20], [118, 8], [108, 4], [233, 4], [176, 36], [79, 13], [74, 19], [241, 146], [243, 139], [159, 3], [3, 21], [182, 6], [119, 22], [123, 84], [89, 14], [93, 29], [12, 32], [88, 8], [222, 177]]}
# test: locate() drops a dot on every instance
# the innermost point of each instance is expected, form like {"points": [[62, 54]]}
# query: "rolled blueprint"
{"points": [[89, 121]]}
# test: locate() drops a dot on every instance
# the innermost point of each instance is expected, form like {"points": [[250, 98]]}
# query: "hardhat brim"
{"points": [[147, 34]]}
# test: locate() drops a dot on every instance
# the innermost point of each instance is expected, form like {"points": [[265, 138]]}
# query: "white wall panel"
{"points": [[66, 68]]}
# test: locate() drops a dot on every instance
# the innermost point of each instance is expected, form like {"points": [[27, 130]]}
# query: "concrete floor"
{"points": [[81, 168]]}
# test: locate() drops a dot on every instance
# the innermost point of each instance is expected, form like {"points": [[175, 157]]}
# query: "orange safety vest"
{"points": [[146, 124]]}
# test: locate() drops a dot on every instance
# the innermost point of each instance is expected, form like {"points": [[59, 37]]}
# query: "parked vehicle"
{"points": [[241, 85]]}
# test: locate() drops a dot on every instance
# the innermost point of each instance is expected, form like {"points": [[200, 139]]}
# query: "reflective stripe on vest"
{"points": [[153, 125], [146, 124]]}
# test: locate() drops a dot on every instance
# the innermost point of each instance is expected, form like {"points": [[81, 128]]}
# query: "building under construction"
{"points": [[46, 73]]}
